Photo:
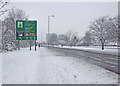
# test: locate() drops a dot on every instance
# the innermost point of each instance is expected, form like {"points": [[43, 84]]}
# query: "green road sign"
{"points": [[26, 30]]}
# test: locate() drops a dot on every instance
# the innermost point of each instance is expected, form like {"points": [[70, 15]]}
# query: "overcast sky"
{"points": [[68, 16]]}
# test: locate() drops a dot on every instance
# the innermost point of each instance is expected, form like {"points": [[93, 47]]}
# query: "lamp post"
{"points": [[49, 27]]}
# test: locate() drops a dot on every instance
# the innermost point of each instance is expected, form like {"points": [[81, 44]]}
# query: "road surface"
{"points": [[107, 61]]}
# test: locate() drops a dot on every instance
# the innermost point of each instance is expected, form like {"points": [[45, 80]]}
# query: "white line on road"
{"points": [[112, 58], [112, 66], [111, 63]]}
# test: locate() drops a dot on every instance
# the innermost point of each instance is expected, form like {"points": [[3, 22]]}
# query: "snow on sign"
{"points": [[26, 30]]}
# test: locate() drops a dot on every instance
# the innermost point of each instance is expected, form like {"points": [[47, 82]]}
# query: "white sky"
{"points": [[65, 0], [74, 16]]}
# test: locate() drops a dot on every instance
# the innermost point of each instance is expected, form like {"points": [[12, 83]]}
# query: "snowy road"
{"points": [[48, 67]]}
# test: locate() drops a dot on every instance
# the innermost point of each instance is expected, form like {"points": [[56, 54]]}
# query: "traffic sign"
{"points": [[26, 30]]}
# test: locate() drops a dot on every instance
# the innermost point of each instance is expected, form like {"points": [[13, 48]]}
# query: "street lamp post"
{"points": [[49, 27]]}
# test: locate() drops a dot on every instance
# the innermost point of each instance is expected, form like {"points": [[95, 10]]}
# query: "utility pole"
{"points": [[49, 27]]}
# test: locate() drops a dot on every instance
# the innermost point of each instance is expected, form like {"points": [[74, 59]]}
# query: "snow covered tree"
{"points": [[87, 38], [3, 7], [104, 29], [62, 39], [74, 39], [9, 31], [70, 38], [113, 30]]}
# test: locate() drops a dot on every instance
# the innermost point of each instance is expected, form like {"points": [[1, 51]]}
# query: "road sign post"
{"points": [[18, 44], [35, 45], [26, 30], [30, 44]]}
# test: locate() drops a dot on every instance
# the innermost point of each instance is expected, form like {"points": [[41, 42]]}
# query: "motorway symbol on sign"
{"points": [[20, 24]]}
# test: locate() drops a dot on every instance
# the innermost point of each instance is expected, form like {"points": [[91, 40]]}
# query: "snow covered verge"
{"points": [[45, 66], [96, 49]]}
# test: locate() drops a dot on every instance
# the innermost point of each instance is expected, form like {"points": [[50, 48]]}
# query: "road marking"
{"points": [[107, 65], [95, 58], [111, 63], [112, 58], [112, 66]]}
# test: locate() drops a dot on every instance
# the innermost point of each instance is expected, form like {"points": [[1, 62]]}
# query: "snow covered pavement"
{"points": [[49, 67]]}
